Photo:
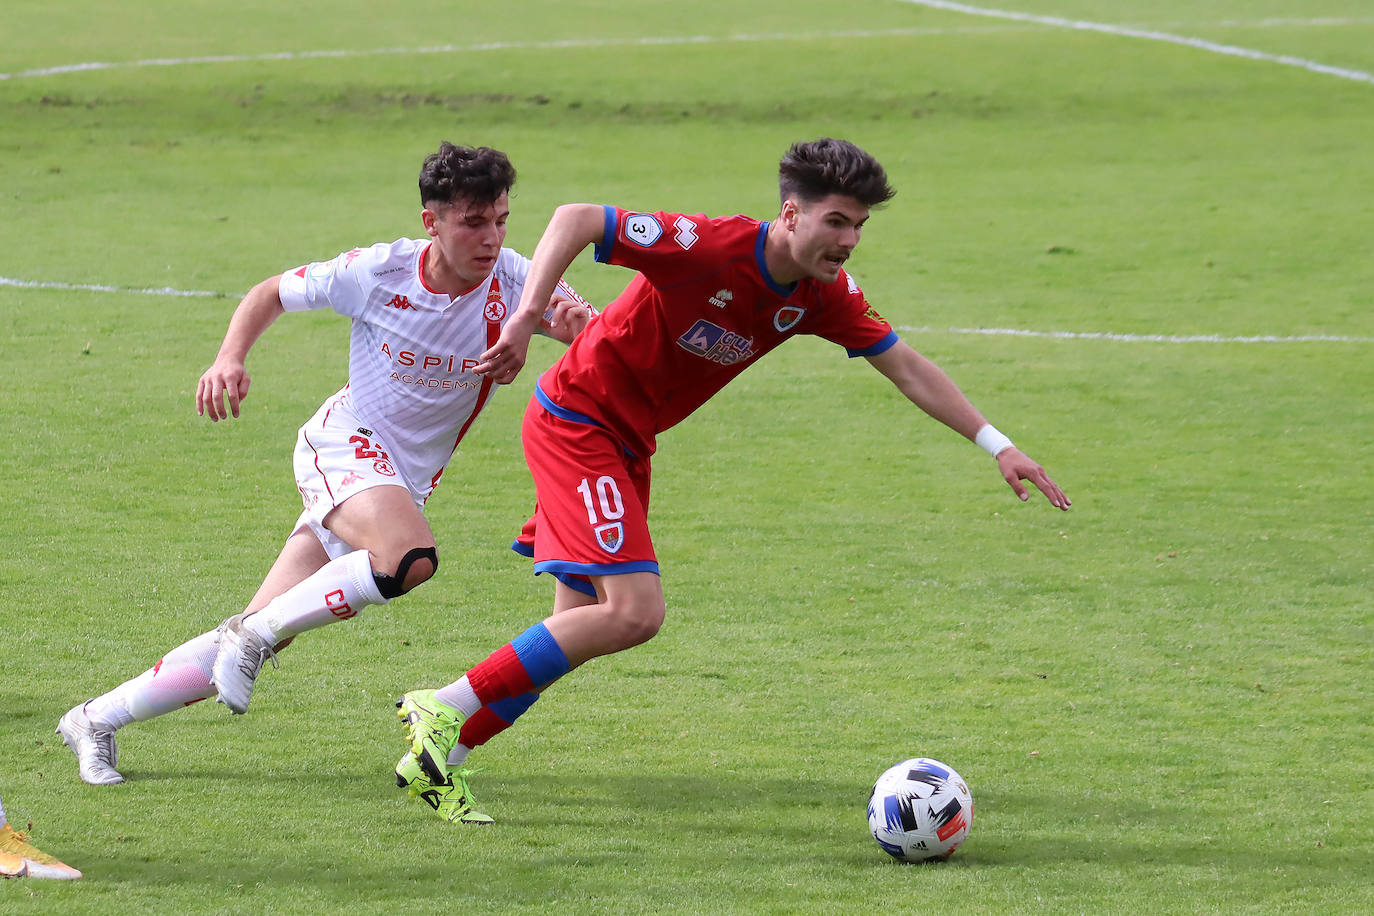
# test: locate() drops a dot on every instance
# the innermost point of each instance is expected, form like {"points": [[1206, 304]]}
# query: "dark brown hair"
{"points": [[816, 169]]}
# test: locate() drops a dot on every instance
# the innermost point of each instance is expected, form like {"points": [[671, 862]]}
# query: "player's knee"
{"points": [[632, 624], [418, 565]]}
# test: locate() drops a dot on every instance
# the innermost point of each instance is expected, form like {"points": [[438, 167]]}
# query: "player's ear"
{"points": [[789, 214], [429, 218]]}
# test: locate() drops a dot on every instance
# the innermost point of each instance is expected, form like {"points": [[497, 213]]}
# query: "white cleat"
{"points": [[237, 663], [94, 747]]}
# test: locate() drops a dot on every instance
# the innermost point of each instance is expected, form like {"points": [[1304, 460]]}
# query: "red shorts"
{"points": [[591, 501]]}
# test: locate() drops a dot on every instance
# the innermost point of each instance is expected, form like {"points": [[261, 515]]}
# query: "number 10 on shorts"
{"points": [[609, 531]]}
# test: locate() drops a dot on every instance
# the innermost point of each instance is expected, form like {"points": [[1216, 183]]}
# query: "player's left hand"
{"points": [[1016, 466], [566, 317]]}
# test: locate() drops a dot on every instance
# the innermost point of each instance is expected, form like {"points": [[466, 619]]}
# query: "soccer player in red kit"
{"points": [[711, 296]]}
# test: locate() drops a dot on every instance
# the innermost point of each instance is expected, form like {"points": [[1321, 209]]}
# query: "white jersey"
{"points": [[412, 350]]}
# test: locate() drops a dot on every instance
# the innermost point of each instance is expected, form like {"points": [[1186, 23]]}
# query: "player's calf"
{"points": [[339, 590]]}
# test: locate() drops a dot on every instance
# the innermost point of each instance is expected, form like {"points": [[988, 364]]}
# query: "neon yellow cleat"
{"points": [[20, 860], [451, 800], [432, 727]]}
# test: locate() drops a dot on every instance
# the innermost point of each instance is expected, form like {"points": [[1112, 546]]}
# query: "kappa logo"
{"points": [[686, 232], [611, 536], [711, 341], [350, 479], [642, 229], [722, 298], [351, 256], [399, 302]]}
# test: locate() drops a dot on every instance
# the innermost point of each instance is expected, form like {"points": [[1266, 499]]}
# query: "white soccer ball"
{"points": [[920, 810]]}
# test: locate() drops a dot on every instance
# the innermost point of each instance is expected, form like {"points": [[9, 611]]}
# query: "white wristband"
{"points": [[991, 440]]}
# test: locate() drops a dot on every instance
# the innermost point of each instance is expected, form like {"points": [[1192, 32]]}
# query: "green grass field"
{"points": [[1161, 699]]}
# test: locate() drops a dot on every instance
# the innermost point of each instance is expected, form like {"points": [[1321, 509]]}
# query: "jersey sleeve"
{"points": [[337, 283], [848, 320], [662, 246]]}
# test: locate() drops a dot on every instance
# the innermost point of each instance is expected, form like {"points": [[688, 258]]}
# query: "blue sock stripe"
{"points": [[541, 655], [512, 708]]}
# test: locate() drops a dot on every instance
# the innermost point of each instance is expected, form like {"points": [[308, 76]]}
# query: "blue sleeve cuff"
{"points": [[881, 346], [602, 252]]}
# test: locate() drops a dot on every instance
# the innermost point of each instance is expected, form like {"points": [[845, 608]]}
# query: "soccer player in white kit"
{"points": [[422, 310]]}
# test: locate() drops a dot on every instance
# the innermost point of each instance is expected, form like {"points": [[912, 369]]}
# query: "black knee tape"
{"points": [[391, 586]]}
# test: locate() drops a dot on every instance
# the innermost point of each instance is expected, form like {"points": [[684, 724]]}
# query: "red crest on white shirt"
{"points": [[495, 309]]}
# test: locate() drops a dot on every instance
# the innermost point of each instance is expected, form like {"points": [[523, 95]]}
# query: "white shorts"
{"points": [[336, 457]]}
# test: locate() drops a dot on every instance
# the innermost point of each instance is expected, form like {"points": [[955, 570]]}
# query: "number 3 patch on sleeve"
{"points": [[642, 229]]}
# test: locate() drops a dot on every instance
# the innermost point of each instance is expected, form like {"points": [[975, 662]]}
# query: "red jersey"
{"points": [[701, 309]]}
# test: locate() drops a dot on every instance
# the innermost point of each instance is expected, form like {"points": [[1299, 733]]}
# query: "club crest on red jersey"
{"points": [[786, 318], [611, 536]]}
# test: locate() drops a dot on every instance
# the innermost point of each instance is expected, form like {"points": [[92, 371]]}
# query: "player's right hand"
{"points": [[226, 380], [503, 361]]}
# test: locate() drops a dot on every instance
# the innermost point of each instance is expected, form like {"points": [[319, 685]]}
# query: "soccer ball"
{"points": [[920, 810]]}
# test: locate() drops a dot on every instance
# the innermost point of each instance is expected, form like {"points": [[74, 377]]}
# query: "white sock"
{"points": [[180, 678], [337, 591], [459, 755], [460, 696], [2, 814]]}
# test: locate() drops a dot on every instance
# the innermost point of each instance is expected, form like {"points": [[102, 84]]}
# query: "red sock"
{"points": [[481, 727], [499, 677]]}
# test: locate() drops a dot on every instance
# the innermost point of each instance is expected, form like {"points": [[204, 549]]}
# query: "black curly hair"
{"points": [[478, 176]]}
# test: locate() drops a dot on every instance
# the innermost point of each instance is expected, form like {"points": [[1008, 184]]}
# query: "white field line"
{"points": [[1149, 35], [558, 45], [909, 329], [102, 288], [1031, 23]]}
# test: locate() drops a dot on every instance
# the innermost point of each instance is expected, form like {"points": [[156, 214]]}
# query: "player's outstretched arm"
{"points": [[572, 228], [928, 387], [227, 379]]}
